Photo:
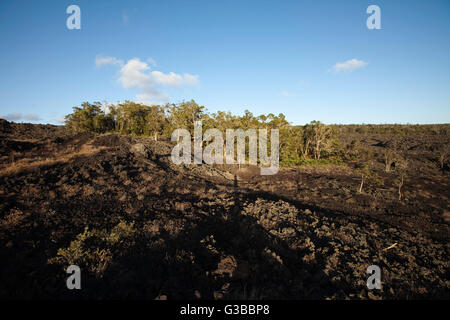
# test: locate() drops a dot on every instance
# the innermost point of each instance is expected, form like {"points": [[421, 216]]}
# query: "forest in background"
{"points": [[313, 143]]}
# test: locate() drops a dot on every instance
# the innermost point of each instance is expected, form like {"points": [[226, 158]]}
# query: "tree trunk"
{"points": [[318, 150], [305, 150], [361, 186], [400, 190]]}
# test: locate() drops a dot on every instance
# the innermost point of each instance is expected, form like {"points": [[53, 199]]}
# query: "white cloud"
{"points": [[132, 74], [174, 80], [61, 120], [190, 79], [136, 74], [103, 61], [145, 99], [17, 116], [151, 61], [349, 65], [287, 94]]}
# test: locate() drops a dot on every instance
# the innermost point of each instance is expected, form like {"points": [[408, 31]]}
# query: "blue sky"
{"points": [[264, 56]]}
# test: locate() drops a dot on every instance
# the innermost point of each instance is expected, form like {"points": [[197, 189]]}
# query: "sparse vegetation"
{"points": [[299, 142], [390, 156], [141, 227], [400, 170], [368, 175], [443, 154], [94, 249]]}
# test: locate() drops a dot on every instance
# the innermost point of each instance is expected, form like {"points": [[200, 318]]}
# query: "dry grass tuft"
{"points": [[63, 157]]}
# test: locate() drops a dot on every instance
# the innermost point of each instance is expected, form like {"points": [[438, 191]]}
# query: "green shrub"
{"points": [[94, 249]]}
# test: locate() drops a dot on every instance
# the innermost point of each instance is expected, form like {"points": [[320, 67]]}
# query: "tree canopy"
{"points": [[297, 143]]}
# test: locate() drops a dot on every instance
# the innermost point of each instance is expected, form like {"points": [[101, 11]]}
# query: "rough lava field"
{"points": [[141, 227]]}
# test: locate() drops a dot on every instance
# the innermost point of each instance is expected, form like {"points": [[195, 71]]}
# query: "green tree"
{"points": [[155, 122], [89, 117], [321, 138]]}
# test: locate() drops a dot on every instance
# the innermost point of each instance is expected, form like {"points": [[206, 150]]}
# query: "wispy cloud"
{"points": [[125, 18], [349, 65], [61, 120], [287, 94], [105, 60], [174, 80], [17, 116], [138, 74], [151, 61]]}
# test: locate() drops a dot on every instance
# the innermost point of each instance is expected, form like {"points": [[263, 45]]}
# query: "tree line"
{"points": [[314, 142]]}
